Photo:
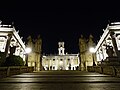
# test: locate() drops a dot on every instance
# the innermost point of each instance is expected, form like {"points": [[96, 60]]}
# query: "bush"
{"points": [[2, 58], [13, 60]]}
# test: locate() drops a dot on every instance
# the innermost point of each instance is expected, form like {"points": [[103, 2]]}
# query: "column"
{"points": [[8, 44], [41, 67], [112, 34]]}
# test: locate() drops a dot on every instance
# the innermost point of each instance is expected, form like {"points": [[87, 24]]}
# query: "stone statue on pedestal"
{"points": [[38, 43], [30, 42], [83, 48], [109, 51], [12, 50]]}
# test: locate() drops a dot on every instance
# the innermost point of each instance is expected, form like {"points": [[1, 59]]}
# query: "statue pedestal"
{"points": [[110, 61]]}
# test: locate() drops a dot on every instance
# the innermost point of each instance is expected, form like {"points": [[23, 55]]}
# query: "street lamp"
{"points": [[27, 51], [92, 50]]}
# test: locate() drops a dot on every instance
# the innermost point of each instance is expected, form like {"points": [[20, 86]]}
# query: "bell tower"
{"points": [[61, 48]]}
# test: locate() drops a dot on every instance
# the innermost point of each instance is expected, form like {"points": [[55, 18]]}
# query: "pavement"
{"points": [[60, 80]]}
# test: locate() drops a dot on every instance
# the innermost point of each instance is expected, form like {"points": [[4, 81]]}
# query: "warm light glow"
{"points": [[61, 62], [92, 50], [28, 50]]}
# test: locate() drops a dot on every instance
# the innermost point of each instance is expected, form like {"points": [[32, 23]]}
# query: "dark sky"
{"points": [[59, 22]]}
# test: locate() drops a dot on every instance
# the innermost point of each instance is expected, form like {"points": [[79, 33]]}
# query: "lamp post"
{"points": [[92, 50], [27, 51]]}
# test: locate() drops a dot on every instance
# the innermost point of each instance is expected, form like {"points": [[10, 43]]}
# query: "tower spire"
{"points": [[61, 48]]}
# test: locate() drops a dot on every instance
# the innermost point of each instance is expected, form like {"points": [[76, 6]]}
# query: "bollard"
{"points": [[8, 71]]}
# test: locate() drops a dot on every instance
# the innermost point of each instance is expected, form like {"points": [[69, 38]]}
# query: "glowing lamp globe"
{"points": [[92, 50], [28, 50]]}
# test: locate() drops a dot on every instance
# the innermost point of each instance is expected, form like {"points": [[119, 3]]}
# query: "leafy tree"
{"points": [[13, 60], [2, 58]]}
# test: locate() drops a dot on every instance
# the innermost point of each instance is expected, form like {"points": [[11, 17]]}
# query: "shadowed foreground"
{"points": [[60, 80]]}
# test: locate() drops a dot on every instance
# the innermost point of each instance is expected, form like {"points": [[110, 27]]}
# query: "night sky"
{"points": [[59, 22]]}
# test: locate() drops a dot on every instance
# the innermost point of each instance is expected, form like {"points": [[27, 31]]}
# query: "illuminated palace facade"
{"points": [[61, 61], [10, 41], [108, 47]]}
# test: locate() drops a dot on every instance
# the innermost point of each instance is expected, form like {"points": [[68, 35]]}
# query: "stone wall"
{"points": [[8, 71], [109, 70]]}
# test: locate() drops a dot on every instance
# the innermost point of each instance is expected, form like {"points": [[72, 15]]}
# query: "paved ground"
{"points": [[60, 80]]}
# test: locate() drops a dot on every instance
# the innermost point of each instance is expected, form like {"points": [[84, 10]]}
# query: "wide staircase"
{"points": [[60, 80]]}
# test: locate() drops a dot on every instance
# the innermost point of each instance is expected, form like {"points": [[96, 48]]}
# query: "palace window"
{"points": [[60, 59], [53, 67], [68, 61]]}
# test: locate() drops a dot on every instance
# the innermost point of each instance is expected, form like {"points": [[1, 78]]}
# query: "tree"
{"points": [[2, 58], [13, 60]]}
